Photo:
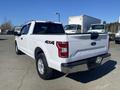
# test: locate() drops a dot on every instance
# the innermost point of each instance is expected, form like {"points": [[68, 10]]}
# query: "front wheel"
{"points": [[18, 52], [42, 67]]}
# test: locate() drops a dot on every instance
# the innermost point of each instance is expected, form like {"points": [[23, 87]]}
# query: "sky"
{"points": [[21, 11]]}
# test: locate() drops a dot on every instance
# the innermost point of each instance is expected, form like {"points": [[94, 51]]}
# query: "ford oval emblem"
{"points": [[93, 43]]}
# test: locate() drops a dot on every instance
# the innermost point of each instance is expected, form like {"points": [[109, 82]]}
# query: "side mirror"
{"points": [[17, 34]]}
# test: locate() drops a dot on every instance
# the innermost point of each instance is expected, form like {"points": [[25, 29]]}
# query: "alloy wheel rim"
{"points": [[40, 66]]}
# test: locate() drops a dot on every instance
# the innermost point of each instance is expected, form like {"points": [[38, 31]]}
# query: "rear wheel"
{"points": [[42, 67]]}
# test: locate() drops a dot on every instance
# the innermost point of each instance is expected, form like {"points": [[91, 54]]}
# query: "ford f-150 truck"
{"points": [[53, 49]]}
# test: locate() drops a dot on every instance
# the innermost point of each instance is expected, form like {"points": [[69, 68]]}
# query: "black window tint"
{"points": [[48, 28], [98, 27], [79, 27], [71, 27], [25, 29]]}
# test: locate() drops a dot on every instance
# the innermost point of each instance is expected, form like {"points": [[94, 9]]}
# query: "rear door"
{"points": [[82, 46]]}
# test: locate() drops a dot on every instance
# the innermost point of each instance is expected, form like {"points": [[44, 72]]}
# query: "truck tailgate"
{"points": [[82, 46]]}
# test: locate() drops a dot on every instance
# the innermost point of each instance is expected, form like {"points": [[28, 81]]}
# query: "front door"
{"points": [[22, 40]]}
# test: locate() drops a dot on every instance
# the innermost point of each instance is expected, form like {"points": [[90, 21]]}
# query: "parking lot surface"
{"points": [[19, 72]]}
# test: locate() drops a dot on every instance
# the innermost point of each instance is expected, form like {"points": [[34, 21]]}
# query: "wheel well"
{"points": [[37, 52], [15, 42]]}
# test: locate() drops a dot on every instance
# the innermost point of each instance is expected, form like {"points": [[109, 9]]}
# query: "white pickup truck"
{"points": [[53, 49], [117, 37]]}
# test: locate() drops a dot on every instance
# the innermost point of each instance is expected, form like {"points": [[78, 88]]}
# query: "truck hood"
{"points": [[98, 31], [117, 35], [70, 31]]}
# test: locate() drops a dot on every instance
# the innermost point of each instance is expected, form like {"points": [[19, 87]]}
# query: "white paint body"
{"points": [[117, 34], [83, 20], [70, 31], [100, 30], [79, 48]]}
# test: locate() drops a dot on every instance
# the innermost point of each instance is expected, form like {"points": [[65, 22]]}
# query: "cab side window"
{"points": [[79, 29], [25, 29]]}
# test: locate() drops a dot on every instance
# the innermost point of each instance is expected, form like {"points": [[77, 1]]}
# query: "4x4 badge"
{"points": [[93, 43], [49, 42]]}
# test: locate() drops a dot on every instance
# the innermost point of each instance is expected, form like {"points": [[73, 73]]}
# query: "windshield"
{"points": [[93, 27], [72, 27]]}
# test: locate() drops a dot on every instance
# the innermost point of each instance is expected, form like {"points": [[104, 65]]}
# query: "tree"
{"points": [[6, 26]]}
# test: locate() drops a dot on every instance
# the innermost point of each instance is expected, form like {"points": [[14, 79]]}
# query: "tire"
{"points": [[43, 70], [18, 52]]}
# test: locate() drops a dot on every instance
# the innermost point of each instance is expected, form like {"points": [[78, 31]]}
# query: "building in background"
{"points": [[0, 31], [113, 27]]}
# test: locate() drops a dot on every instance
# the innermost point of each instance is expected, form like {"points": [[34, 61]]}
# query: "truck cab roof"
{"points": [[43, 21]]}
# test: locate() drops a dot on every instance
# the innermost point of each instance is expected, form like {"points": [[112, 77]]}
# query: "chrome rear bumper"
{"points": [[86, 64]]}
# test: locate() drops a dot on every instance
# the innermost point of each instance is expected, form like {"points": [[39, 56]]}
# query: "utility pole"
{"points": [[58, 14]]}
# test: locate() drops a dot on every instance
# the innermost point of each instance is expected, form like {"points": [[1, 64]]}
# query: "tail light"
{"points": [[62, 49]]}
